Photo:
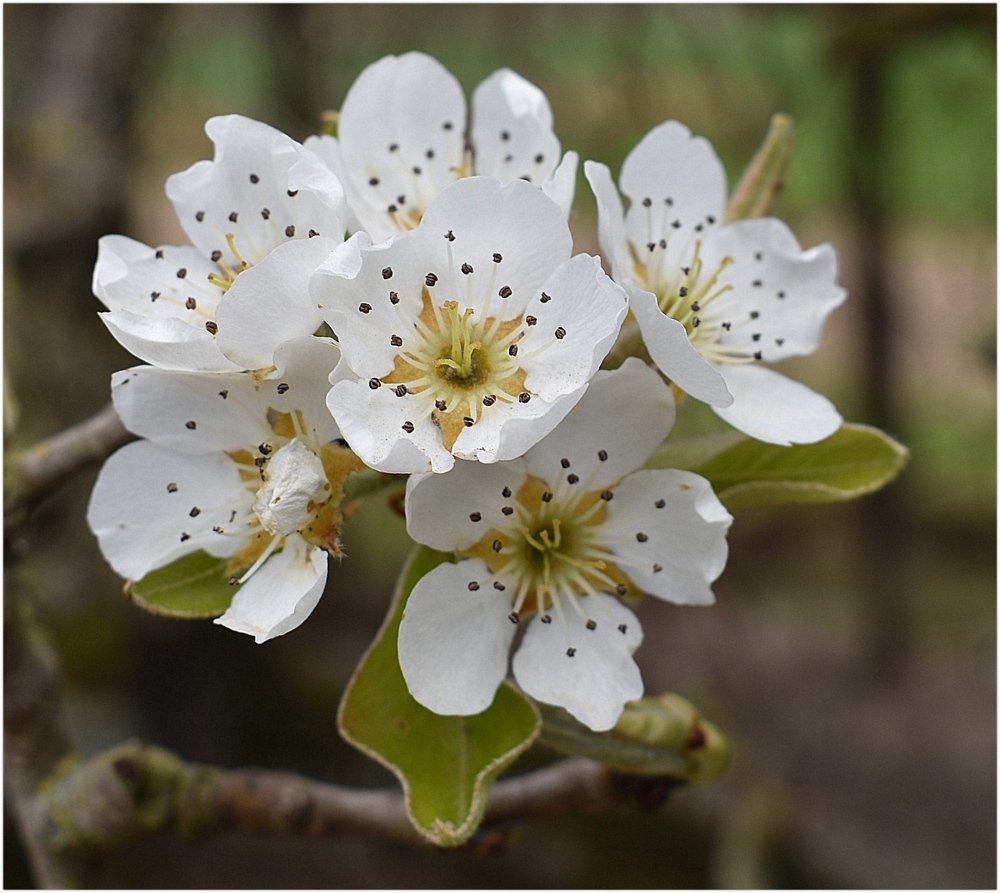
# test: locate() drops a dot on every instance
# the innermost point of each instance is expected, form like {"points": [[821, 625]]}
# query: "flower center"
{"points": [[550, 550], [458, 366], [694, 297]]}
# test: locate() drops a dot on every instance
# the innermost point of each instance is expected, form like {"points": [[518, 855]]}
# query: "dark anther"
{"points": [[512, 350], [560, 333], [408, 427], [466, 268], [508, 510], [365, 308], [290, 230], [396, 341], [387, 273], [473, 586], [489, 400], [431, 279], [641, 537], [213, 328], [512, 616], [606, 495], [547, 496], [195, 511], [223, 394], [171, 488], [570, 652], [572, 478], [591, 624], [497, 545], [475, 516], [401, 390], [393, 297], [282, 387], [530, 320], [199, 216], [545, 298], [191, 425], [505, 292], [182, 272], [374, 384], [506, 492], [497, 258], [621, 589], [564, 463], [523, 397]]}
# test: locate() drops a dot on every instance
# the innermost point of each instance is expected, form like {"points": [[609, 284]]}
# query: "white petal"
{"points": [[355, 289], [561, 186], [450, 512], [512, 129], [781, 295], [599, 678], [509, 430], [263, 188], [683, 180], [167, 342], [670, 520], [515, 221], [372, 423], [191, 411], [151, 506], [280, 594], [610, 221], [772, 407], [454, 640], [270, 303], [402, 125], [155, 282], [668, 344], [579, 312], [307, 366], [612, 431]]}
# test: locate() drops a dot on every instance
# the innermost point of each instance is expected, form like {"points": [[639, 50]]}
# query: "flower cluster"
{"points": [[404, 297]]}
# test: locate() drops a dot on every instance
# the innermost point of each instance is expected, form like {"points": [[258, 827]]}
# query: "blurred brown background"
{"points": [[851, 656]]}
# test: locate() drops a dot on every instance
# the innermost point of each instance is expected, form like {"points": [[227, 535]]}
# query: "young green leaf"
{"points": [[446, 764], [765, 175], [854, 461], [196, 585]]}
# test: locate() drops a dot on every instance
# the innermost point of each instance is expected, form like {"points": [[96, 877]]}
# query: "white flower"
{"points": [[713, 301], [551, 542], [260, 218], [401, 140], [242, 467], [470, 336]]}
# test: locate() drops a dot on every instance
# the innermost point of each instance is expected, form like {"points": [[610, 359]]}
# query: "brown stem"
{"points": [[34, 473], [138, 788]]}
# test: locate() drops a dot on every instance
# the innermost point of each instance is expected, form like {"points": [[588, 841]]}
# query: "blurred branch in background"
{"points": [[862, 45]]}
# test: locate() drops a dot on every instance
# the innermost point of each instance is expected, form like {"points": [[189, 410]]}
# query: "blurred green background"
{"points": [[851, 656]]}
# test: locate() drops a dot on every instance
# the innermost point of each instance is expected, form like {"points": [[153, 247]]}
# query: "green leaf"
{"points": [[745, 473], [446, 764], [664, 735], [196, 585]]}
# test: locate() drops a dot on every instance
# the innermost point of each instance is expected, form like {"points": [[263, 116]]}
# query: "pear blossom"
{"points": [[260, 218], [241, 466], [401, 139], [554, 543], [715, 301], [470, 336]]}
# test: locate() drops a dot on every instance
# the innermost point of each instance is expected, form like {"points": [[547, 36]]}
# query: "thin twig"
{"points": [[35, 473], [138, 788]]}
